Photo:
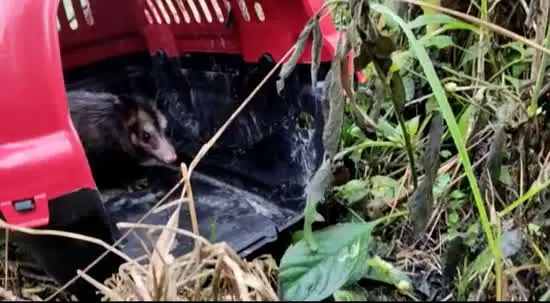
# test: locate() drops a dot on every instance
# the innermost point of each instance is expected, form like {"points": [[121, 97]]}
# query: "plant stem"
{"points": [[399, 114]]}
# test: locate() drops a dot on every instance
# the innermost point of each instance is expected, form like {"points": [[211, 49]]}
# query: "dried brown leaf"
{"points": [[496, 150], [453, 256], [289, 65], [421, 202], [316, 46], [345, 73], [335, 119], [398, 92]]}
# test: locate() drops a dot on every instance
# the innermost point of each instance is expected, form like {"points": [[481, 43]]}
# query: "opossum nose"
{"points": [[171, 157]]}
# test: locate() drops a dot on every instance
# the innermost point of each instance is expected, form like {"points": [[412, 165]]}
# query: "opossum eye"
{"points": [[145, 136]]}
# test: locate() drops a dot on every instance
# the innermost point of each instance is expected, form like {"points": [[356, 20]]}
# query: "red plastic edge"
{"points": [[37, 217], [41, 155]]}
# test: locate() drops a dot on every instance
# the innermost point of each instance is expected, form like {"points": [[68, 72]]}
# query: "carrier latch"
{"points": [[33, 212]]}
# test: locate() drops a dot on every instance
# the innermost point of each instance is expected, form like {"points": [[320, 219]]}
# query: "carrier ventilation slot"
{"points": [[196, 11], [69, 14]]}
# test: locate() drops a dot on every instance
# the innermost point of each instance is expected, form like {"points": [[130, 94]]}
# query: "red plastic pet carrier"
{"points": [[45, 177]]}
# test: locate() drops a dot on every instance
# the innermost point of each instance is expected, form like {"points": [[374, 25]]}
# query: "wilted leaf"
{"points": [[354, 190], [495, 154], [335, 119], [345, 73], [362, 120], [290, 64], [315, 50], [420, 204], [384, 188], [382, 50], [306, 275], [373, 46], [398, 92], [453, 256], [383, 271], [511, 242], [431, 155]]}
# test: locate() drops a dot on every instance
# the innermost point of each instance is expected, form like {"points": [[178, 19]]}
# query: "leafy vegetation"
{"points": [[445, 145]]}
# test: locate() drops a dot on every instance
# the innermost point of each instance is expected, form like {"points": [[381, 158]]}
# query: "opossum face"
{"points": [[147, 130]]}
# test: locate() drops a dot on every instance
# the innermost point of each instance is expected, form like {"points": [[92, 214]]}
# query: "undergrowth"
{"points": [[444, 146]]}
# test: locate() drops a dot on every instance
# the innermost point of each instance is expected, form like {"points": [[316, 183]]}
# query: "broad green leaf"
{"points": [[307, 275], [354, 190], [384, 187]]}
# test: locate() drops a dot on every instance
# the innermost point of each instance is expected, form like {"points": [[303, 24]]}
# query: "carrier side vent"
{"points": [[69, 16], [197, 11]]}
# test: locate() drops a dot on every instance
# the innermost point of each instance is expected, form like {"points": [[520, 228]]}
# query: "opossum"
{"points": [[116, 129]]}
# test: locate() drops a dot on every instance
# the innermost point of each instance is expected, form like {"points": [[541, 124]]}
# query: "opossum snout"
{"points": [[156, 145], [165, 152]]}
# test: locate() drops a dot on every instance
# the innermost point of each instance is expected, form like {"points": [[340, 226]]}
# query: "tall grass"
{"points": [[452, 124]]}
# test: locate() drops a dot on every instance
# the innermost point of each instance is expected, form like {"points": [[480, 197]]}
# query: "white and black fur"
{"points": [[113, 127]]}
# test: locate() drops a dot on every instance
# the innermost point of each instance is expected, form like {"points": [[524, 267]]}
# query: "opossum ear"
{"points": [[127, 105]]}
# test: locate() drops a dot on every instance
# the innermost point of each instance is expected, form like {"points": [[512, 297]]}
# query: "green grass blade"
{"points": [[535, 189], [449, 117]]}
